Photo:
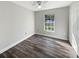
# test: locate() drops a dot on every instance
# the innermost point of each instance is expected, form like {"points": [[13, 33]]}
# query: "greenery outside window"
{"points": [[49, 23]]}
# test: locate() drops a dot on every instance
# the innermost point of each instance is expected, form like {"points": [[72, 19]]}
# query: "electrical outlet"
{"points": [[25, 33]]}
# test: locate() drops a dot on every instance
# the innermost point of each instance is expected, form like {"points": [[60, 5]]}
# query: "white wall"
{"points": [[74, 26], [61, 22], [14, 22]]}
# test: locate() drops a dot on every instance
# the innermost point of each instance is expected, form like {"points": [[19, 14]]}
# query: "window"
{"points": [[49, 23]]}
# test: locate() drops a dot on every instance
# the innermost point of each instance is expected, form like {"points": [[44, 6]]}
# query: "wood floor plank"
{"points": [[39, 46]]}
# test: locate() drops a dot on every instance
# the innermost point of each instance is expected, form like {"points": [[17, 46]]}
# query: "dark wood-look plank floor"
{"points": [[39, 46]]}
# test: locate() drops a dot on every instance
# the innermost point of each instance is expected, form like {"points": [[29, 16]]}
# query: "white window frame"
{"points": [[44, 24]]}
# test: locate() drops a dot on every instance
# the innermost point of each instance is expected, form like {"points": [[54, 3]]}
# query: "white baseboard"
{"points": [[62, 38], [5, 49]]}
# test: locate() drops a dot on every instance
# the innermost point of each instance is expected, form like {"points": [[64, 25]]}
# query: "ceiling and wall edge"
{"points": [[49, 5]]}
